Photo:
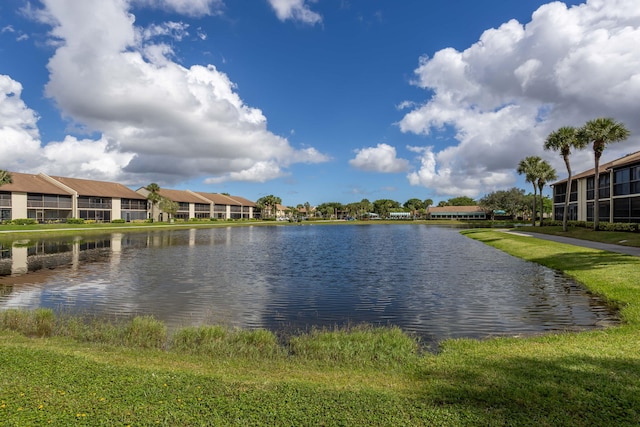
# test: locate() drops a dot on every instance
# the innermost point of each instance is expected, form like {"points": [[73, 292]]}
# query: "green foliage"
{"points": [[146, 332], [118, 221], [76, 221], [268, 205], [360, 346], [5, 177], [22, 221], [38, 323], [512, 201], [383, 206], [221, 341]]}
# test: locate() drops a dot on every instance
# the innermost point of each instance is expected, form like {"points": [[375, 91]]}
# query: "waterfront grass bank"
{"points": [[365, 376]]}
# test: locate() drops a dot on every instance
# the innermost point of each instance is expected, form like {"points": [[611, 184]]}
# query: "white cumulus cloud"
{"points": [[296, 10], [381, 158], [154, 116], [504, 94]]}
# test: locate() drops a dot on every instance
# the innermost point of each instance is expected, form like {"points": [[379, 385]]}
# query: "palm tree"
{"points": [[529, 168], [600, 132], [545, 174], [563, 140], [5, 177], [153, 196], [271, 202]]}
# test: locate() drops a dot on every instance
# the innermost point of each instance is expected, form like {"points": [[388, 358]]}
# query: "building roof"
{"points": [[184, 196], [455, 209], [243, 201], [88, 187], [29, 183], [614, 164], [223, 199]]}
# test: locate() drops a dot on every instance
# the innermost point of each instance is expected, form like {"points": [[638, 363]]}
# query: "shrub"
{"points": [[22, 221], [75, 221], [118, 221]]}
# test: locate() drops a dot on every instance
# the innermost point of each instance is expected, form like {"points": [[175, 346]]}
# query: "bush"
{"points": [[118, 221], [22, 221], [75, 221]]}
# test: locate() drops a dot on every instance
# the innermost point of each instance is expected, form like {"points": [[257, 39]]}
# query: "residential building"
{"points": [[456, 212], [202, 205], [619, 192], [49, 198], [57, 199]]}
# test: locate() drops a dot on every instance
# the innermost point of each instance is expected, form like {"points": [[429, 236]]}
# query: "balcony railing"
{"points": [[94, 205], [50, 205]]}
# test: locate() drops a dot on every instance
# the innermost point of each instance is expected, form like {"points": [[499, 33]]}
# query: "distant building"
{"points": [[456, 212], [47, 198], [201, 205], [619, 192]]}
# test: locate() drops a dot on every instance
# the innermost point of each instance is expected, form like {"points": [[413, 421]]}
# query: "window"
{"points": [[133, 204], [604, 187], [603, 214], [5, 200], [626, 181], [94, 202], [558, 212], [626, 209]]}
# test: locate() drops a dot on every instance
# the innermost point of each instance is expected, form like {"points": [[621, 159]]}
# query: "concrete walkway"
{"points": [[629, 250]]}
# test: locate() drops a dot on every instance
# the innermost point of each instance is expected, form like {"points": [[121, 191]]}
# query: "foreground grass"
{"points": [[210, 376], [613, 237]]}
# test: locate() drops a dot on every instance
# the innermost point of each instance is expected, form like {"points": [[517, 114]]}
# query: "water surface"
{"points": [[428, 280]]}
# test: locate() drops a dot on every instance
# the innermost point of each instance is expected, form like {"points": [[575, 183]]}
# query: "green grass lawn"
{"points": [[89, 375], [614, 237]]}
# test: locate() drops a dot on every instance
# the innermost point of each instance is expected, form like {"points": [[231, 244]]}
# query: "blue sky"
{"points": [[312, 101]]}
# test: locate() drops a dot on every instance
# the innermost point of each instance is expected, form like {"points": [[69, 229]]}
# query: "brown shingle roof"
{"points": [[28, 183], [183, 196], [243, 201], [88, 187], [222, 199]]}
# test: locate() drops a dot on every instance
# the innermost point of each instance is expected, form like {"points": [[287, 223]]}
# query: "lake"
{"points": [[428, 280]]}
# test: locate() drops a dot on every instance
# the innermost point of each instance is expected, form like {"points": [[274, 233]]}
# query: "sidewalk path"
{"points": [[629, 250]]}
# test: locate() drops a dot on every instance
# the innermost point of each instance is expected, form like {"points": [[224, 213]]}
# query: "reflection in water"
{"points": [[428, 280]]}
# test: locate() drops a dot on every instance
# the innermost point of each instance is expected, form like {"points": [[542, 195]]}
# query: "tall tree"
{"points": [[414, 205], [169, 206], [546, 173], [461, 201], [365, 207], [529, 168], [383, 206], [269, 203], [601, 132], [5, 177], [564, 140], [511, 201], [153, 196]]}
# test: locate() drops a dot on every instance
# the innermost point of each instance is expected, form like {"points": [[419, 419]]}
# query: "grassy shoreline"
{"points": [[341, 377]]}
